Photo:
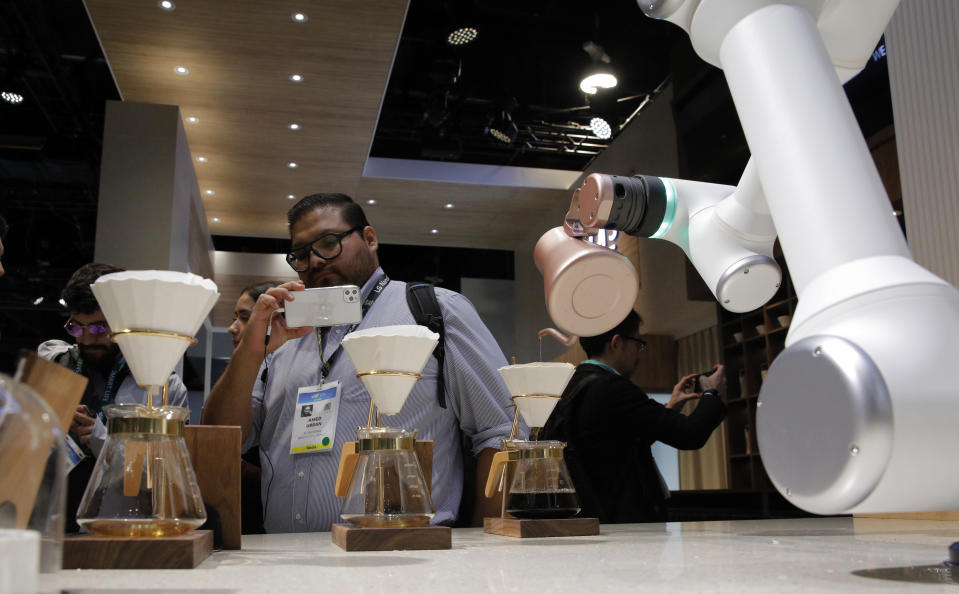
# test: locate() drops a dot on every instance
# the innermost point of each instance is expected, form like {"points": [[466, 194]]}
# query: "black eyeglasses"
{"points": [[640, 343], [327, 247], [75, 329]]}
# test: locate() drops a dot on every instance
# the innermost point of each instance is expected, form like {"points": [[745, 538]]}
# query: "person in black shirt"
{"points": [[609, 424]]}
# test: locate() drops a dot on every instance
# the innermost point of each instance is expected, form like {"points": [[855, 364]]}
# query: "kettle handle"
{"points": [[344, 473], [496, 470]]}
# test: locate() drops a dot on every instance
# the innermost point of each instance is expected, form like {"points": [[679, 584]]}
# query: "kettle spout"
{"points": [[566, 340]]}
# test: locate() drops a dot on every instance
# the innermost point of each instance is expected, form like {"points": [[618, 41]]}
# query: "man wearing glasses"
{"points": [[99, 359], [609, 424], [333, 244]]}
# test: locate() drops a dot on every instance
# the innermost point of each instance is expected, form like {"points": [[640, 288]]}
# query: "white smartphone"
{"points": [[324, 306]]}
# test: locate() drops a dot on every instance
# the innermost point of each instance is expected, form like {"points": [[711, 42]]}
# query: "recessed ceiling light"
{"points": [[182, 70], [290, 197], [38, 300], [296, 77], [209, 192], [11, 97], [434, 231], [294, 126], [292, 165], [299, 17], [193, 119], [166, 5], [462, 36], [216, 219], [62, 302], [371, 201], [202, 159], [448, 206]]}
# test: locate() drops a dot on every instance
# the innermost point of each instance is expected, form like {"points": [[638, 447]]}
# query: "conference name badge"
{"points": [[314, 418]]}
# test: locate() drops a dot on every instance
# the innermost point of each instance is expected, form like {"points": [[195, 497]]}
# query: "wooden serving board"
{"points": [[426, 538], [171, 552], [541, 528]]}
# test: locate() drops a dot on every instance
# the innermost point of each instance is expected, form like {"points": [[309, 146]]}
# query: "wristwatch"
{"points": [[711, 392]]}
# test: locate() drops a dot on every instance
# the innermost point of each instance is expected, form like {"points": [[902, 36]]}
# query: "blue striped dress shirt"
{"points": [[298, 490]]}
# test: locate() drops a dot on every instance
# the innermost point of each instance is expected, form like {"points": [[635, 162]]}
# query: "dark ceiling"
{"points": [[528, 58], [49, 159]]}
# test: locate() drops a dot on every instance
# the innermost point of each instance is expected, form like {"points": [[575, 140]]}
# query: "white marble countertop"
{"points": [[816, 554]]}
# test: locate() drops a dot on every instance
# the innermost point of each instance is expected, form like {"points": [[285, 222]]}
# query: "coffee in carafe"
{"points": [[541, 486]]}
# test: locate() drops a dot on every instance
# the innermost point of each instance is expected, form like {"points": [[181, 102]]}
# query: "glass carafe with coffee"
{"points": [[387, 487], [143, 484], [532, 473]]}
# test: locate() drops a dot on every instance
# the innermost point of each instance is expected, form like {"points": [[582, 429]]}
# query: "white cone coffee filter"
{"points": [[157, 300], [535, 410], [404, 348], [536, 380]]}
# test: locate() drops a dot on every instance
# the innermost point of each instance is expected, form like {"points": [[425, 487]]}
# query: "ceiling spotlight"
{"points": [[209, 192], [596, 81], [38, 300], [296, 77], [371, 201], [434, 231], [193, 119], [299, 17], [448, 206], [462, 36], [292, 165], [294, 126], [216, 219], [62, 302], [202, 159], [291, 197], [182, 70], [11, 97], [503, 128], [166, 5], [601, 128]]}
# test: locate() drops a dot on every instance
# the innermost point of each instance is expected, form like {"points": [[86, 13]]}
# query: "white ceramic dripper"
{"points": [[536, 389]]}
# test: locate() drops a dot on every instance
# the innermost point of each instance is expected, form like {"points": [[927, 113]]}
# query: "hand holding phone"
{"points": [[324, 306]]}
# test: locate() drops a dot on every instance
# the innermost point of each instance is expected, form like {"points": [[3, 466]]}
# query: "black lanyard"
{"points": [[327, 365], [118, 367]]}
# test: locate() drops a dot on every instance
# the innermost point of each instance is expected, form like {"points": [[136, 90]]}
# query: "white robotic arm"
{"points": [[726, 232], [860, 411]]}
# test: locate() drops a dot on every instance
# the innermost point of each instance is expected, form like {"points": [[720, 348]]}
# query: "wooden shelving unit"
{"points": [[749, 342]]}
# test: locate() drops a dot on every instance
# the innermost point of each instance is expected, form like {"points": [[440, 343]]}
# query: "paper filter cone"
{"points": [[536, 410], [158, 301], [537, 378], [528, 383], [404, 349]]}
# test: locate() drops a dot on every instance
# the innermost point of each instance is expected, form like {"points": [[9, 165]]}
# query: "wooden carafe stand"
{"points": [[354, 538], [215, 456], [500, 477]]}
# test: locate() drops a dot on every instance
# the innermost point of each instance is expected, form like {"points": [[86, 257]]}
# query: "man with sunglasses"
{"points": [[609, 425], [333, 244], [94, 355]]}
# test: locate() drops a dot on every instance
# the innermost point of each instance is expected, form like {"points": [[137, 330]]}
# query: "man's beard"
{"points": [[99, 357], [330, 275]]}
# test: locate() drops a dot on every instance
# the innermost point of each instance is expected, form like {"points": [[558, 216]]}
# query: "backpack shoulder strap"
{"points": [[421, 298]]}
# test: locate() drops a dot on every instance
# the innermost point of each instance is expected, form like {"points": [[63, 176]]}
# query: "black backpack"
{"points": [[421, 298]]}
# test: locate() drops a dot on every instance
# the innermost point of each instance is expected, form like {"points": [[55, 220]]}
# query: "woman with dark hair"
{"points": [[251, 501], [244, 306]]}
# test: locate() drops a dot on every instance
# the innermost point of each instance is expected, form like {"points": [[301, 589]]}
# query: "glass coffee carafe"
{"points": [[541, 486], [387, 489], [143, 483]]}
